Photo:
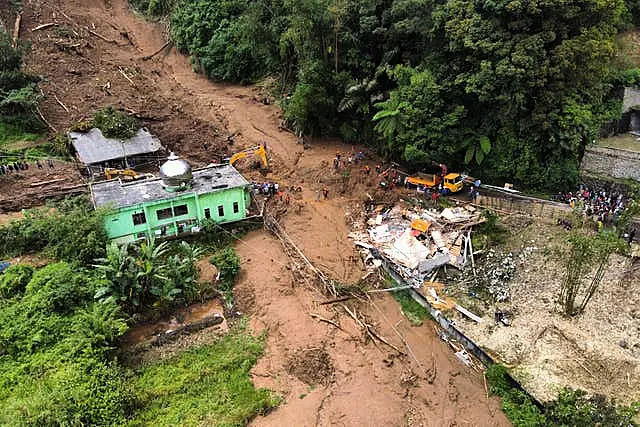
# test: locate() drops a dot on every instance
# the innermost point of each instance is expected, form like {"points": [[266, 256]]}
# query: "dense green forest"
{"points": [[511, 91]]}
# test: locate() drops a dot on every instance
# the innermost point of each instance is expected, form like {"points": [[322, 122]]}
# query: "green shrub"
{"points": [[18, 93], [116, 124], [14, 281], [54, 347], [228, 264], [516, 404], [68, 230], [572, 407], [58, 288]]}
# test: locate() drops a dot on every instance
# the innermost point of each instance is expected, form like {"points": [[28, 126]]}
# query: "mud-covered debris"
{"points": [[493, 274], [311, 365]]}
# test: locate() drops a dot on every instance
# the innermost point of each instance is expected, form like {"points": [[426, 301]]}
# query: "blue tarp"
{"points": [[4, 265]]}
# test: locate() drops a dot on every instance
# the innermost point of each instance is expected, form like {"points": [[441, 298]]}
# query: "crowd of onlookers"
{"points": [[18, 166], [602, 205]]}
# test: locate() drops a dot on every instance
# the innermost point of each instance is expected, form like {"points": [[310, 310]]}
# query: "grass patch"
{"points": [[410, 307], [10, 135], [209, 385], [622, 142]]}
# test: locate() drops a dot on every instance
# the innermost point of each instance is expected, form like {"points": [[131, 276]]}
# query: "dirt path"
{"points": [[354, 383]]}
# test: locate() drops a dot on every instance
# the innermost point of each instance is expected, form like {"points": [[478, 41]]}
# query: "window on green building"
{"points": [[236, 209], [207, 213], [139, 218], [164, 213], [180, 210], [220, 210]]}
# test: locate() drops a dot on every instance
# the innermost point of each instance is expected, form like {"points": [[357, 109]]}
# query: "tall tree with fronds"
{"points": [[389, 119]]}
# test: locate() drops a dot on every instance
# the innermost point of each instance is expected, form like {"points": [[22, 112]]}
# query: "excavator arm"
{"points": [[237, 156], [258, 151]]}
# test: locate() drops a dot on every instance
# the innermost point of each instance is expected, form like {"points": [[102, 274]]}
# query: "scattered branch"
{"points": [[43, 26], [335, 300], [49, 125], [100, 36], [126, 77], [164, 46], [322, 319], [61, 104]]}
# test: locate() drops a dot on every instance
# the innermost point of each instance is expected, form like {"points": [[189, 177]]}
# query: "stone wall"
{"points": [[612, 162], [545, 210]]}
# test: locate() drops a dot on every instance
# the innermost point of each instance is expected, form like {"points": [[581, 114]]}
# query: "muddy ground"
{"points": [[83, 59], [597, 351]]}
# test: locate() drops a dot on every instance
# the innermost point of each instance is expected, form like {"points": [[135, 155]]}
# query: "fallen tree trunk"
{"points": [[164, 46], [168, 336]]}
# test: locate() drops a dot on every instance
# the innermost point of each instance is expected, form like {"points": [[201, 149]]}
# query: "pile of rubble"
{"points": [[416, 241]]}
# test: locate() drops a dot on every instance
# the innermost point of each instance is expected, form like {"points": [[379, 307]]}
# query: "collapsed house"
{"points": [[95, 152], [417, 241]]}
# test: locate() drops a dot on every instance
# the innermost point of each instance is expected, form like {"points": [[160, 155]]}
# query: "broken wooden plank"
{"points": [[41, 183], [467, 313]]}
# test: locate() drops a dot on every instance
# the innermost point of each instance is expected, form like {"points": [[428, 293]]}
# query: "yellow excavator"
{"points": [[258, 151], [125, 174]]}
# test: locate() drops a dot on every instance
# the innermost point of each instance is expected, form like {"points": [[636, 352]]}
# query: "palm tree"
{"points": [[390, 118]]}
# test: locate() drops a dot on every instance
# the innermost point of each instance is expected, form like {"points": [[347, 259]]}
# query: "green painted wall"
{"points": [[121, 228]]}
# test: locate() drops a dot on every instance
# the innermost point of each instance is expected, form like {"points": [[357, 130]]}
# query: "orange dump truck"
{"points": [[452, 181]]}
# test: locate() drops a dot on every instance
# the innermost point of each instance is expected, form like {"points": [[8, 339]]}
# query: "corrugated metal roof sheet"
{"points": [[92, 147], [206, 180]]}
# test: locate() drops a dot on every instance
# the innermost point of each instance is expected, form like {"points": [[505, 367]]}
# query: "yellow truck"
{"points": [[452, 181]]}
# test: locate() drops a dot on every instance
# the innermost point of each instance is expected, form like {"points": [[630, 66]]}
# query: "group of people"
{"points": [[604, 206], [18, 166], [266, 188], [340, 161], [269, 189]]}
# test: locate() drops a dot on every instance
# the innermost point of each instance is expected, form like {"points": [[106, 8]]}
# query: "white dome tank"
{"points": [[176, 173]]}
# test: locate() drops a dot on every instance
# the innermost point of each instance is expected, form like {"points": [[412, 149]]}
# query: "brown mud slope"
{"points": [[83, 60], [345, 381], [31, 187]]}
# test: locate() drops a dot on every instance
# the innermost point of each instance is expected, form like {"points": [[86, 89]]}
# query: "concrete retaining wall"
{"points": [[612, 162], [543, 209]]}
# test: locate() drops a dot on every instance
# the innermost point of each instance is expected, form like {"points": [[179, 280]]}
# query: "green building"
{"points": [[173, 204]]}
